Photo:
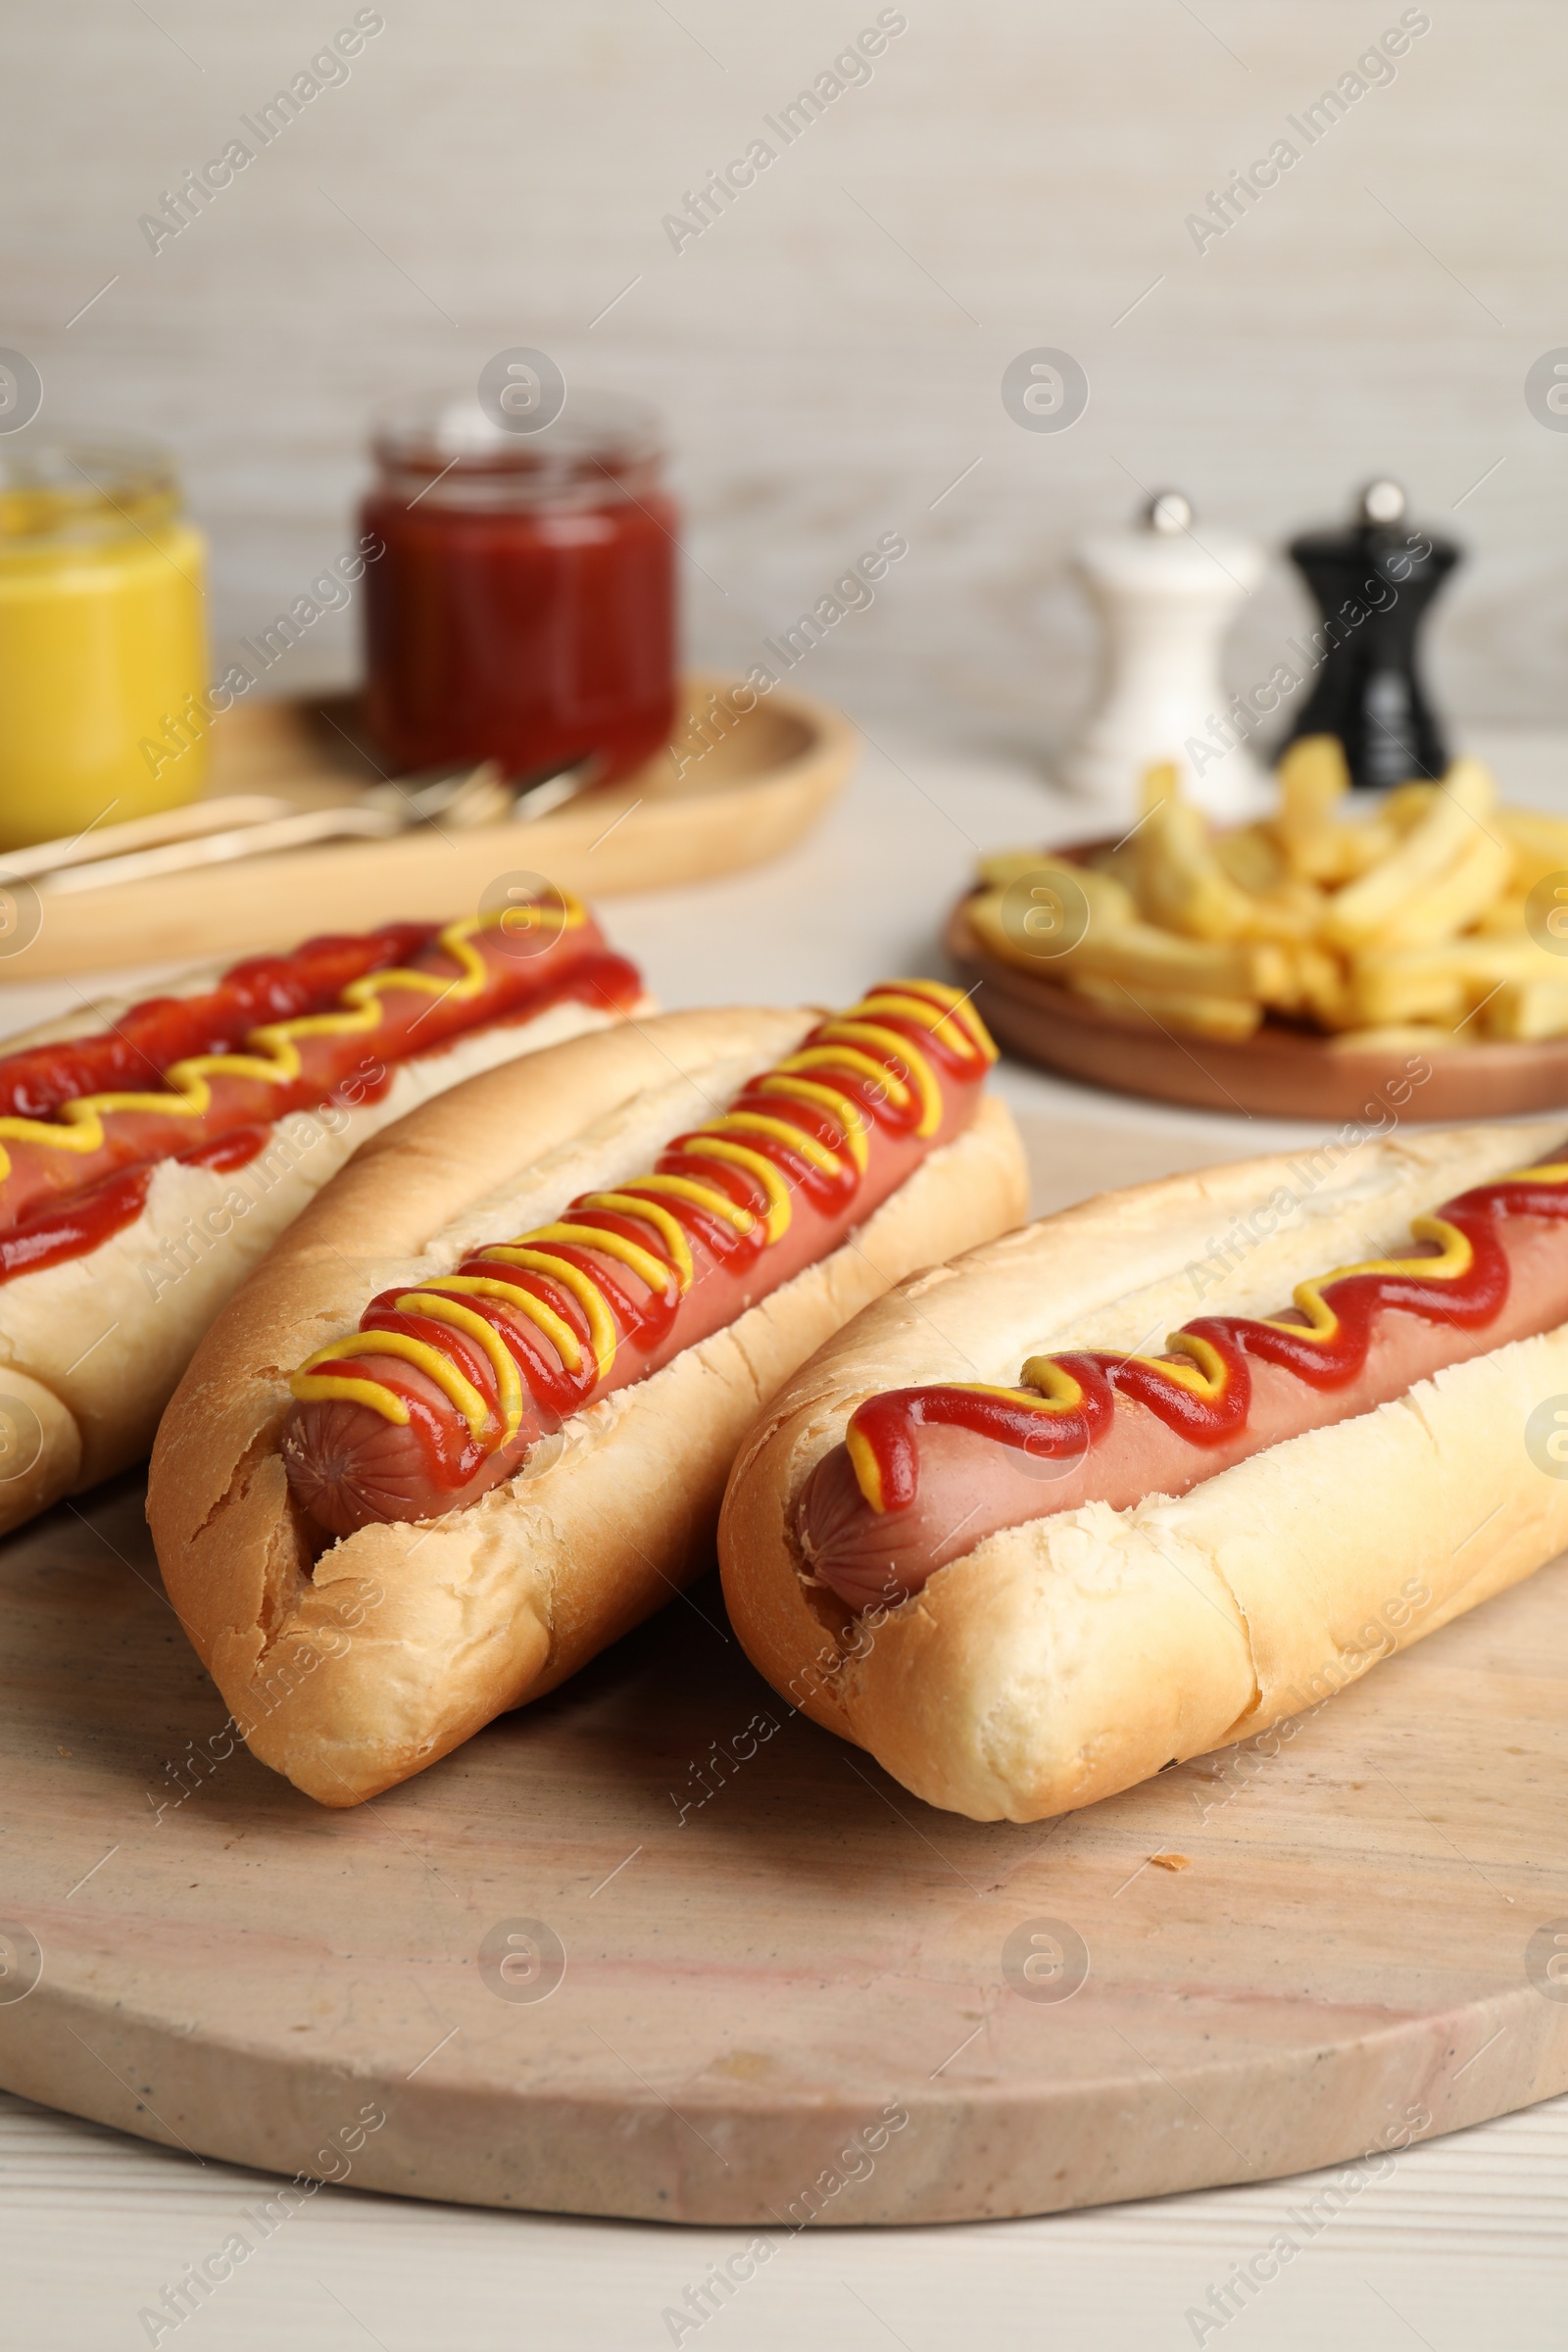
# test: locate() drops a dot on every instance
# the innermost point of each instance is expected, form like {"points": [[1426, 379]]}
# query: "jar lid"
{"points": [[453, 451], [82, 490]]}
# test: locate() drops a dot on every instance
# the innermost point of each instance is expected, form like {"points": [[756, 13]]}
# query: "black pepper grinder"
{"points": [[1372, 583]]}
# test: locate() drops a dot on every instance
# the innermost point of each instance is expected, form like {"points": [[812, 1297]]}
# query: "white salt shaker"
{"points": [[1165, 599]]}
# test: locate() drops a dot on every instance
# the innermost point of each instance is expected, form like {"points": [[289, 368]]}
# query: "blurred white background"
{"points": [[828, 354]]}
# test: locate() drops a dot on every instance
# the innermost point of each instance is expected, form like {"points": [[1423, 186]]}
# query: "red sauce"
{"points": [[522, 607], [56, 1204], [1468, 1300], [89, 1217]]}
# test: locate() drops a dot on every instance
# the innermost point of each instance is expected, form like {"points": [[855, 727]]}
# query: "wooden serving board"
{"points": [[749, 798], [1279, 1072], [755, 1951]]}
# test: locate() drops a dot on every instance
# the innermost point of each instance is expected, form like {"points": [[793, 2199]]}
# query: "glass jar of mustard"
{"points": [[103, 639]]}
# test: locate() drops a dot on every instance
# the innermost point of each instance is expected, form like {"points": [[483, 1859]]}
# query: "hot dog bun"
{"points": [[408, 1636], [1066, 1659], [90, 1350]]}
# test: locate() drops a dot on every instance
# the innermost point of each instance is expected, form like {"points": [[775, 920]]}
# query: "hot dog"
{"points": [[502, 1439], [1025, 1592], [151, 1151]]}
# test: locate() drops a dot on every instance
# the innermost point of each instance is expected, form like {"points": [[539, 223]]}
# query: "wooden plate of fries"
{"points": [[1309, 966]]}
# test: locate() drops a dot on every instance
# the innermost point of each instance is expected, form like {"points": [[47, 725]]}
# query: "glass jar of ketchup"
{"points": [[523, 608]]}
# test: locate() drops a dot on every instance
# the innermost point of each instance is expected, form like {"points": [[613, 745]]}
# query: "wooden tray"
{"points": [[1280, 1073], [753, 796], [770, 1951]]}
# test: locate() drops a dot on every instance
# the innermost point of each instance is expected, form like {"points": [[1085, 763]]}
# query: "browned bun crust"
{"points": [[91, 1349], [1069, 1658], [406, 1637]]}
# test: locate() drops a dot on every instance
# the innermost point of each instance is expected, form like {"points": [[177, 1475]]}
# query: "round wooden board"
{"points": [[1279, 1072], [759, 1985], [753, 796]]}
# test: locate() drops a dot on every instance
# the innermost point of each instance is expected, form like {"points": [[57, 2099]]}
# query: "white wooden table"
{"points": [[1464, 2242]]}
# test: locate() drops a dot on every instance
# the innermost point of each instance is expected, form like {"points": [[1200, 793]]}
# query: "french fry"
{"points": [[1252, 857], [1180, 883], [1448, 906], [1026, 873], [1527, 1009], [1146, 959], [1540, 845], [1504, 918], [1405, 806], [1364, 844], [1119, 860], [1161, 782], [1233, 1017], [1292, 911], [1314, 979], [1319, 844], [1395, 1037], [1369, 905], [1137, 954], [1442, 983], [1320, 987], [1248, 968], [1291, 996], [1426, 992], [1313, 780]]}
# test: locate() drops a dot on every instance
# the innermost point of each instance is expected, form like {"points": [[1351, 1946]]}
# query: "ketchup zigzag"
{"points": [[1065, 1404], [215, 1107], [537, 1314]]}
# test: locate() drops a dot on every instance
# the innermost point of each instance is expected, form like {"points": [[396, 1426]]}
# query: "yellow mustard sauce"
{"points": [[102, 641]]}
